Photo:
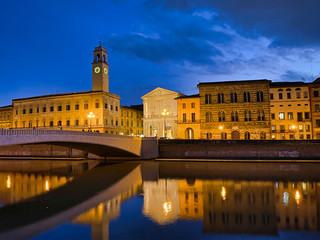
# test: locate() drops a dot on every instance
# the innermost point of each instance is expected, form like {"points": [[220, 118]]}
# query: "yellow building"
{"points": [[189, 117], [131, 120], [290, 111], [314, 91], [235, 110], [5, 117], [96, 110]]}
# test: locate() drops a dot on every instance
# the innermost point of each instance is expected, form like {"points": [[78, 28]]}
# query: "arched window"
{"points": [[263, 136], [104, 58], [222, 116], [247, 135], [233, 97], [98, 58], [208, 99], [208, 117], [261, 115], [189, 133], [246, 96], [298, 89], [288, 89], [247, 115], [220, 98], [209, 136], [280, 90], [259, 96], [234, 116]]}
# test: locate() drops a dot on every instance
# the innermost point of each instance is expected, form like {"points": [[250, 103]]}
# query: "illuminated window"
{"points": [[290, 115], [281, 116]]}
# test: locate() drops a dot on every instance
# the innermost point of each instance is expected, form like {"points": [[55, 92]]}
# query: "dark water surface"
{"points": [[158, 200]]}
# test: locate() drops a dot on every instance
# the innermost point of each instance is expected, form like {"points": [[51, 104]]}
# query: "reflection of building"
{"points": [[235, 110], [239, 207], [5, 116], [154, 103], [161, 200], [131, 120], [189, 117], [296, 205], [314, 91], [191, 199], [290, 110], [15, 186]]}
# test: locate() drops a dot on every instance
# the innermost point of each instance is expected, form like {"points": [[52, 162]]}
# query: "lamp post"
{"points": [[90, 115], [165, 113]]}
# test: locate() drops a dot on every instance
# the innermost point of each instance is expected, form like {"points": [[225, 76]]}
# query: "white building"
{"points": [[155, 123]]}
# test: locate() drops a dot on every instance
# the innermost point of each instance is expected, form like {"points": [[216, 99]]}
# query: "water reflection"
{"points": [[265, 201]]}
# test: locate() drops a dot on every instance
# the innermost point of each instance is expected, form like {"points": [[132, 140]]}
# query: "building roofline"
{"points": [[288, 84], [8, 106], [60, 94], [189, 96], [235, 81]]}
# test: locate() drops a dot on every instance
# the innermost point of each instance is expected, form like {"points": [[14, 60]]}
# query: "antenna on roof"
{"points": [[100, 43]]}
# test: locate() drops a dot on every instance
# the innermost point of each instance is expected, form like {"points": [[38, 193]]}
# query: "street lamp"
{"points": [[90, 115], [293, 127], [165, 113]]}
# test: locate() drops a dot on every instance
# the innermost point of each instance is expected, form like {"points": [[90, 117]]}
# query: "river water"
{"points": [[53, 199]]}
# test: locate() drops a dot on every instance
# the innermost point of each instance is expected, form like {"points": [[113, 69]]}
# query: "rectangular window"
{"points": [[273, 116], [193, 105], [86, 106], [23, 111], [86, 122], [37, 109], [273, 128], [184, 117], [280, 96], [300, 128], [51, 123], [97, 105], [281, 116], [316, 93], [307, 128], [116, 108], [288, 95], [51, 108], [44, 109], [317, 122], [308, 136], [298, 94], [59, 108], [317, 108], [76, 122], [76, 107], [59, 123], [306, 115], [300, 116], [300, 136], [290, 115], [68, 107], [183, 105], [271, 96], [106, 107], [282, 128], [193, 117], [305, 94], [111, 107], [68, 122], [30, 110]]}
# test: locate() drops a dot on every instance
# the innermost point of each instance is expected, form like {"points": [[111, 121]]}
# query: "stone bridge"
{"points": [[101, 144]]}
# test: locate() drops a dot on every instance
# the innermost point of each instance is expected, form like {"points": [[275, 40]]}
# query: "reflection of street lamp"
{"points": [[223, 193], [165, 113], [90, 115], [293, 127]]}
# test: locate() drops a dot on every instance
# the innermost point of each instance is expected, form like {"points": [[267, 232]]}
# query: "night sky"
{"points": [[46, 46]]}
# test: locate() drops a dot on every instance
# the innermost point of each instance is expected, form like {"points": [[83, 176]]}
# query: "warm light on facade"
{"points": [[91, 115], [165, 112], [167, 207], [223, 193], [8, 182], [220, 127]]}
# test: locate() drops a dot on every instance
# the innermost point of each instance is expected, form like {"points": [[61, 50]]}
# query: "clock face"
{"points": [[105, 70], [96, 69]]}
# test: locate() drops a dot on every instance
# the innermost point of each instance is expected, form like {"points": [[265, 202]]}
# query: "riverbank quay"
{"points": [[239, 149]]}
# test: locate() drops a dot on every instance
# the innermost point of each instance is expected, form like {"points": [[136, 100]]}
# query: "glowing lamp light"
{"points": [[167, 207], [297, 197], [220, 127], [8, 181], [47, 185], [223, 193], [91, 115], [165, 112], [293, 127], [285, 198]]}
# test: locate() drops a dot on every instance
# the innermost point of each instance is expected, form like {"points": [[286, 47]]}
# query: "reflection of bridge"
{"points": [[36, 215], [97, 143]]}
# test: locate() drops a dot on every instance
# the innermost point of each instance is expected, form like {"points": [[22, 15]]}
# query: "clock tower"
{"points": [[100, 70]]}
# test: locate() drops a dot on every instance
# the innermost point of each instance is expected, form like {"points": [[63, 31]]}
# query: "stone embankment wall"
{"points": [[239, 149]]}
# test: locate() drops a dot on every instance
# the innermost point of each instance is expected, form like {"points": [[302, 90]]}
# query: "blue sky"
{"points": [[46, 46]]}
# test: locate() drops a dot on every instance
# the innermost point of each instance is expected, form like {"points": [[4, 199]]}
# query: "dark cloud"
{"points": [[288, 22], [291, 75]]}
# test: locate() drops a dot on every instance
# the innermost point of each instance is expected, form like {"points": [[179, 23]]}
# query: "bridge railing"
{"points": [[35, 132]]}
